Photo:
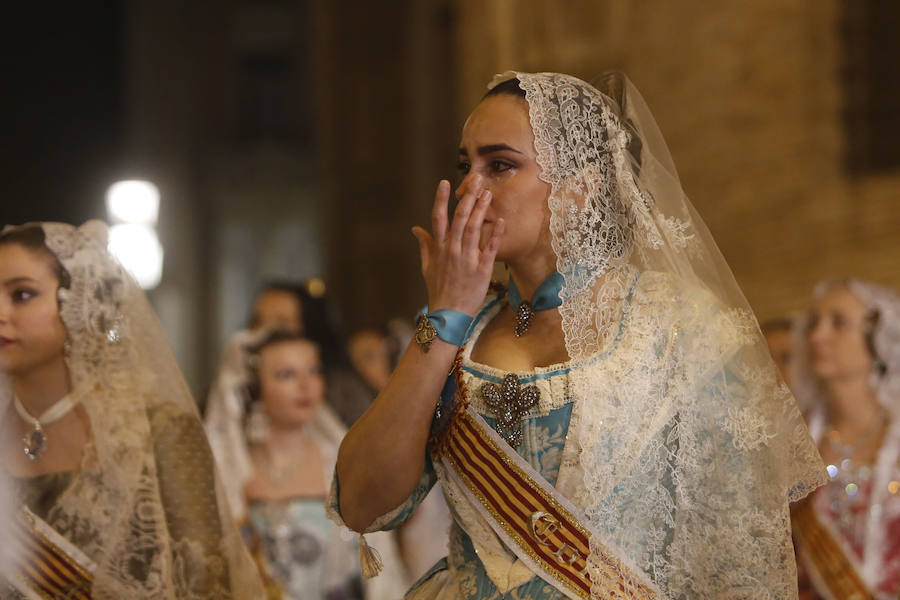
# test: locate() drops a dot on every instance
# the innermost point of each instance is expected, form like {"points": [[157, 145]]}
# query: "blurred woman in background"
{"points": [[278, 457], [111, 486], [370, 356], [848, 372]]}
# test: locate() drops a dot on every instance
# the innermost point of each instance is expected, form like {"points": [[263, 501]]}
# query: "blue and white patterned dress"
{"points": [[296, 541], [544, 431]]}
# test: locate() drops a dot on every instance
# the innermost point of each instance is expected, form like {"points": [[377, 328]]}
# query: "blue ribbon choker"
{"points": [[545, 298]]}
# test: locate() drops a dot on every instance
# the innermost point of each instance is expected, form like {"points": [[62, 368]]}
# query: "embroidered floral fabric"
{"points": [[295, 538], [543, 438]]}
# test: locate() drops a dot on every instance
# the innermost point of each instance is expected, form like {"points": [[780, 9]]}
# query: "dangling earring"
{"points": [[257, 428]]}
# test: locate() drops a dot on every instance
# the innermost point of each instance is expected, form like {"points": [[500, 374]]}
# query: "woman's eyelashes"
{"points": [[285, 374], [835, 321], [22, 295], [501, 166], [493, 167]]}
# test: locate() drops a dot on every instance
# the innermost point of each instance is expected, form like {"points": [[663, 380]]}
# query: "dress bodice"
{"points": [[295, 540]]}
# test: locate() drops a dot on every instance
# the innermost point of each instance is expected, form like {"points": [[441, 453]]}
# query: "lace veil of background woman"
{"points": [[684, 447], [146, 509]]}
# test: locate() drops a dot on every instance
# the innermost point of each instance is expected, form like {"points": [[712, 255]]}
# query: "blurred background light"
{"points": [[133, 201], [316, 287], [138, 249]]}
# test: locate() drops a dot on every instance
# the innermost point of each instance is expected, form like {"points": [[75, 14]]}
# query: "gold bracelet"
{"points": [[425, 333]]}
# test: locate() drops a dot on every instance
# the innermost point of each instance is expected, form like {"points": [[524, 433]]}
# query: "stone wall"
{"points": [[749, 99]]}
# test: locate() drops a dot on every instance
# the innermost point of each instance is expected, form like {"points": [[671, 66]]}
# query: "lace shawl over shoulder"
{"points": [[688, 447]]}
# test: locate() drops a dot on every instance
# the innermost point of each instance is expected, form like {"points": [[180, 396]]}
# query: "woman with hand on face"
{"points": [[612, 425], [848, 371], [279, 459], [110, 485]]}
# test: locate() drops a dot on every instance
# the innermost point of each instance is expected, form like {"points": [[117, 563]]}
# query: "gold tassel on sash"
{"points": [[369, 559]]}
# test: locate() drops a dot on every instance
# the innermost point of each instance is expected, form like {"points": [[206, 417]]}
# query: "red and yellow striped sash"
{"points": [[547, 534], [45, 565], [831, 565]]}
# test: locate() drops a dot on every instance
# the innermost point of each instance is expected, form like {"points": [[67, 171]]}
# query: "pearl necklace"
{"points": [[36, 440]]}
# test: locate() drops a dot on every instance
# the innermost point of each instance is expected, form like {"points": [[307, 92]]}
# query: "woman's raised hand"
{"points": [[456, 269]]}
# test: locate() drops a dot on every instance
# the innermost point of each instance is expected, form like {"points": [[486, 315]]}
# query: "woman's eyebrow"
{"points": [[15, 280], [489, 149]]}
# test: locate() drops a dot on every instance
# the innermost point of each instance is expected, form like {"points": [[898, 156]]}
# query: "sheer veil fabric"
{"points": [[146, 505], [686, 449]]}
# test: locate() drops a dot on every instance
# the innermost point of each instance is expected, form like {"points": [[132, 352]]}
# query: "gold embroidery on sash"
{"points": [[43, 564], [541, 527]]}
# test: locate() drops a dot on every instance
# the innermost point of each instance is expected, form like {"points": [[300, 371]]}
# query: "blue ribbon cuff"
{"points": [[451, 326]]}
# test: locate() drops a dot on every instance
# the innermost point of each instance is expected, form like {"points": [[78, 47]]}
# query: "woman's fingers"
{"points": [[490, 250], [464, 210], [460, 220], [439, 211], [472, 234]]}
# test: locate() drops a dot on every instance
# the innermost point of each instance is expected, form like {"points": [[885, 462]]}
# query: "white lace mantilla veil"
{"points": [[146, 505], [688, 447], [226, 410]]}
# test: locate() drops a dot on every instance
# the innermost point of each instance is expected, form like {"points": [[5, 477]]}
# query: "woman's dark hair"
{"points": [[320, 320], [510, 87], [32, 237], [273, 338]]}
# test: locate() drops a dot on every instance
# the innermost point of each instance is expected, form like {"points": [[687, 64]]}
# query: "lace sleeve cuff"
{"points": [[394, 518]]}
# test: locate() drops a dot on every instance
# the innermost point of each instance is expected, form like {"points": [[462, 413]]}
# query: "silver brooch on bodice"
{"points": [[524, 316], [509, 403]]}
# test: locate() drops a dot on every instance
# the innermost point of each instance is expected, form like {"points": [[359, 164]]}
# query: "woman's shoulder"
{"points": [[706, 327], [669, 288], [670, 294]]}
